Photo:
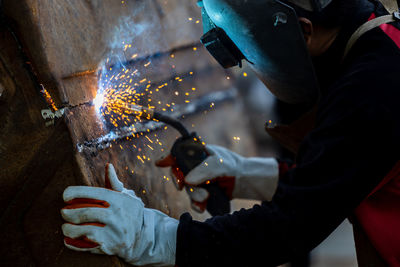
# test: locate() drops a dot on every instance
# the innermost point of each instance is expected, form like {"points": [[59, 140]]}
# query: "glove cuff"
{"points": [[257, 179], [157, 240]]}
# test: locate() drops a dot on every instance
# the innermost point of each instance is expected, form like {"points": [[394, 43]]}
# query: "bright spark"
{"points": [[126, 86]]}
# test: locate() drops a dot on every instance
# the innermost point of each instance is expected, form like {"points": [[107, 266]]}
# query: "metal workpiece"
{"points": [[49, 116], [140, 111]]}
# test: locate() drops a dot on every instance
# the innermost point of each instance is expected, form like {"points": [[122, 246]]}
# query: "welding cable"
{"points": [[172, 122], [149, 113]]}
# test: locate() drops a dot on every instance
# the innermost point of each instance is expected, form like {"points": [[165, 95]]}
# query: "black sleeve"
{"points": [[339, 164]]}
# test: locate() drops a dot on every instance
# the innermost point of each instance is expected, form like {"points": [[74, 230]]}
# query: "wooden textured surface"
{"points": [[36, 164], [22, 129]]}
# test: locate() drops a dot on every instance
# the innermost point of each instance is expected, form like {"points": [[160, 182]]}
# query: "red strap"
{"points": [[394, 173], [379, 217], [284, 167], [390, 31]]}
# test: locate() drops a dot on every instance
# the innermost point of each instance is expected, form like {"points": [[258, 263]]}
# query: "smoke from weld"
{"points": [[135, 34]]}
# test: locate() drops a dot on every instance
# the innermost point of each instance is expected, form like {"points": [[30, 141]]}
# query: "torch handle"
{"points": [[189, 153], [218, 202]]}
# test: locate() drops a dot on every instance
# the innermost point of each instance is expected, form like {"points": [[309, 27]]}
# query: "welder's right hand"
{"points": [[240, 177]]}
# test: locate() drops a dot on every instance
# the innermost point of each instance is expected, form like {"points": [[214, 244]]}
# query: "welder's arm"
{"points": [[252, 178], [114, 221], [240, 177], [339, 164]]}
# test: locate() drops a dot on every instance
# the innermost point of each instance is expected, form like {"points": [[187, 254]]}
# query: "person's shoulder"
{"points": [[367, 89], [374, 61], [372, 69], [368, 79]]}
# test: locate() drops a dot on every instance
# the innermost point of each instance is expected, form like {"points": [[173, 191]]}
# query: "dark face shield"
{"points": [[219, 45], [267, 34]]}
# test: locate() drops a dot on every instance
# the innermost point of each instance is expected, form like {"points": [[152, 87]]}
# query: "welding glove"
{"points": [[114, 221], [240, 177]]}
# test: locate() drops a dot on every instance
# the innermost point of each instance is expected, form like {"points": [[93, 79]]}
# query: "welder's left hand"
{"points": [[237, 176], [114, 221]]}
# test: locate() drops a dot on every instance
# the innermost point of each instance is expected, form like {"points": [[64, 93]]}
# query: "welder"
{"points": [[337, 57]]}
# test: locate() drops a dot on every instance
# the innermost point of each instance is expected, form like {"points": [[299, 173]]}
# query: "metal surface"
{"points": [[268, 34], [49, 116], [139, 111], [194, 107]]}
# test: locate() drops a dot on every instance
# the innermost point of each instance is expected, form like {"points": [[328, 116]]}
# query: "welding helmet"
{"points": [[267, 34]]}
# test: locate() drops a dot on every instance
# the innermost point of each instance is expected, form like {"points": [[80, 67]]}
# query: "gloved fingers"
{"points": [[167, 161], [197, 194], [212, 149], [86, 215], [80, 244], [178, 177], [113, 198], [222, 152], [111, 179], [84, 237], [83, 192], [88, 192], [211, 168], [78, 203], [129, 192], [90, 230]]}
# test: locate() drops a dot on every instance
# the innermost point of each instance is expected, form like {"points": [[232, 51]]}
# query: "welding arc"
{"points": [[172, 122]]}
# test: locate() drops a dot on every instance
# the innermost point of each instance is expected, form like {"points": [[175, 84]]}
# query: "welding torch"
{"points": [[188, 152]]}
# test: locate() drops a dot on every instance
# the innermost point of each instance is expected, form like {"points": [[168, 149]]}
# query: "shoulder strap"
{"points": [[391, 6]]}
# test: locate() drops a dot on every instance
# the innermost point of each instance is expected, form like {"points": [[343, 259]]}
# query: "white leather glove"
{"points": [[115, 222], [254, 178], [240, 177]]}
